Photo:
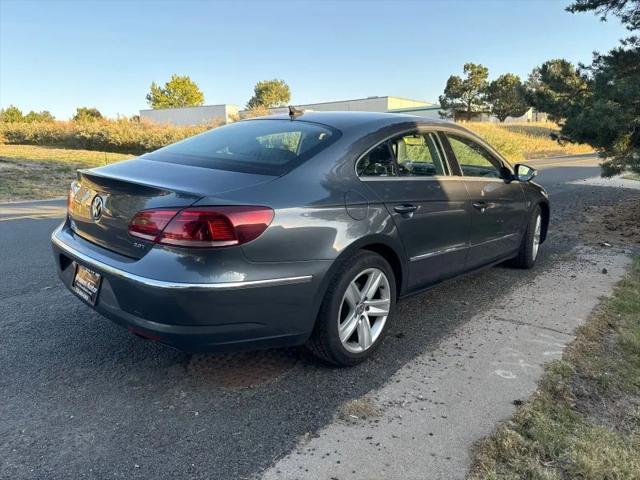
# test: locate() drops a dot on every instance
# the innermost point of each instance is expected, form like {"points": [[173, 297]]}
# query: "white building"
{"points": [[427, 111], [369, 104], [191, 115], [227, 112]]}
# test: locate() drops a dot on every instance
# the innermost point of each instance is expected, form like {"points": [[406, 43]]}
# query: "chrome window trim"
{"points": [[149, 282], [482, 179], [434, 178]]}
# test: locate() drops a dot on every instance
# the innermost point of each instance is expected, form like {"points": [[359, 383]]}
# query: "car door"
{"points": [[428, 205], [498, 203]]}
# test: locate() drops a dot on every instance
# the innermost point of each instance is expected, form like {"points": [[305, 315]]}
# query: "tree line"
{"points": [[180, 91]]}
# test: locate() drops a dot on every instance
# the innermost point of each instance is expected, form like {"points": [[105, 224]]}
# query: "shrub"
{"points": [[121, 136], [87, 114]]}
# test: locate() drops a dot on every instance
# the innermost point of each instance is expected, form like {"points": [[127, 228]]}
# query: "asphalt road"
{"points": [[82, 398]]}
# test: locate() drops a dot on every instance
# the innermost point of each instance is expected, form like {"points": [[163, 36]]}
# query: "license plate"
{"points": [[86, 284]]}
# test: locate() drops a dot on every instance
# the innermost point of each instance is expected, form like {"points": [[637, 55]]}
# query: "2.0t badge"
{"points": [[97, 205]]}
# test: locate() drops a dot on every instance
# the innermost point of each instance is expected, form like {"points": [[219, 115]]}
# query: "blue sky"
{"points": [[58, 55]]}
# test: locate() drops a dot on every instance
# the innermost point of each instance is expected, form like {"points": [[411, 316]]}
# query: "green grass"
{"points": [[584, 420], [632, 176], [32, 172]]}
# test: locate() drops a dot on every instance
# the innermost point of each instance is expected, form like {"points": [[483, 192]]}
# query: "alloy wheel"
{"points": [[364, 310]]}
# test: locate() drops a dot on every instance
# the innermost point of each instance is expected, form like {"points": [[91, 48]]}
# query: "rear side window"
{"points": [[474, 159], [255, 146], [379, 162]]}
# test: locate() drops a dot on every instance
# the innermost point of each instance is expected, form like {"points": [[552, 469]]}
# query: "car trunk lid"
{"points": [[106, 199]]}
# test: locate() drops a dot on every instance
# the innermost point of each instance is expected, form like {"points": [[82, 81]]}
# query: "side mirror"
{"points": [[524, 173]]}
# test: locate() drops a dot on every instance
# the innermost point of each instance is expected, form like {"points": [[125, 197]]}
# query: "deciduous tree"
{"points": [[269, 94], [467, 96], [507, 97], [179, 91]]}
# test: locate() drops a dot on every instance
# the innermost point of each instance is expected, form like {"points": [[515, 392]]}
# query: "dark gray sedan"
{"points": [[288, 230]]}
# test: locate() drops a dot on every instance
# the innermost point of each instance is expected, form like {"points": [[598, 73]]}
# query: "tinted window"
{"points": [[262, 146], [379, 162], [418, 156], [474, 160]]}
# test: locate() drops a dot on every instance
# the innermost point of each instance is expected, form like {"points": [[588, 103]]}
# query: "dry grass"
{"points": [[518, 142], [28, 171], [358, 409], [584, 421], [31, 172]]}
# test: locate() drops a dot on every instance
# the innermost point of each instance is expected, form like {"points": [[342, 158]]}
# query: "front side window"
{"points": [[474, 159], [256, 146], [418, 156]]}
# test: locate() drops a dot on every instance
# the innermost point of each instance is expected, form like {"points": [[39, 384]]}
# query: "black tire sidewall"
{"points": [[528, 259]]}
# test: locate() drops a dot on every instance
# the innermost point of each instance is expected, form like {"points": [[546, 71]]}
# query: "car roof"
{"points": [[348, 120]]}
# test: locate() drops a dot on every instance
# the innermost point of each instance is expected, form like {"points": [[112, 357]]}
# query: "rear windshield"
{"points": [[272, 147]]}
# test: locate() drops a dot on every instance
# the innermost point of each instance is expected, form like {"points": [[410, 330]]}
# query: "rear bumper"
{"points": [[255, 305]]}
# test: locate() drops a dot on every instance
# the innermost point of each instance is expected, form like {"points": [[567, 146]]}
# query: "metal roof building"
{"points": [[225, 112]]}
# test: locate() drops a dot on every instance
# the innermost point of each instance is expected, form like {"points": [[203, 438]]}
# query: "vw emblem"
{"points": [[96, 207]]}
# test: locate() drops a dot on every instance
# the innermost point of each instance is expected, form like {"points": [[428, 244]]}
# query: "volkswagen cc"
{"points": [[293, 229]]}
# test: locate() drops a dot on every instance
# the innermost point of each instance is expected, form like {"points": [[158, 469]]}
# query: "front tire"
{"points": [[355, 312], [530, 245]]}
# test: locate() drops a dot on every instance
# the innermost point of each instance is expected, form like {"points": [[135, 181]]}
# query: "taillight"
{"points": [[73, 190], [148, 224], [202, 226]]}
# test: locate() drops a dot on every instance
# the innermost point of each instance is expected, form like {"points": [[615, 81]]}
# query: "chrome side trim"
{"points": [[455, 248], [451, 249], [269, 282], [504, 237]]}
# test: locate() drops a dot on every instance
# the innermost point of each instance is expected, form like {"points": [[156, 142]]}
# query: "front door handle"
{"points": [[482, 206], [405, 209]]}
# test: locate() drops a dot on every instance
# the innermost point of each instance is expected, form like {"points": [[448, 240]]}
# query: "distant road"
{"points": [[582, 160]]}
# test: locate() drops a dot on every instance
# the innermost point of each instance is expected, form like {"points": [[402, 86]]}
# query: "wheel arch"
{"points": [[382, 245]]}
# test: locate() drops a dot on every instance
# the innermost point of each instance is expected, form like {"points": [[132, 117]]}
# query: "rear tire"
{"points": [[530, 245], [355, 312]]}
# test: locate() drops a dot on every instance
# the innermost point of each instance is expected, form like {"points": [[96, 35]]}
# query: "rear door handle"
{"points": [[405, 209], [482, 206]]}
